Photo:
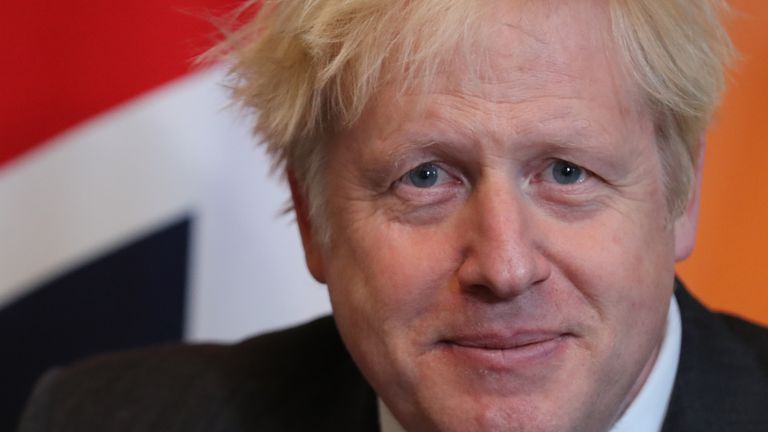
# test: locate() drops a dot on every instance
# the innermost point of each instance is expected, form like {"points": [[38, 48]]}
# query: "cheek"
{"points": [[621, 265], [390, 273]]}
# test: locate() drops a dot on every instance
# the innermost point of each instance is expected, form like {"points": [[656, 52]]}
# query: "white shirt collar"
{"points": [[387, 421], [647, 411]]}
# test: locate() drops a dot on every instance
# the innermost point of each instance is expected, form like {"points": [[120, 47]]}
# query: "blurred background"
{"points": [[134, 209]]}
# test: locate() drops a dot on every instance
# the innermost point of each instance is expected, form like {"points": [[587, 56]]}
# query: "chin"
{"points": [[477, 413], [531, 391]]}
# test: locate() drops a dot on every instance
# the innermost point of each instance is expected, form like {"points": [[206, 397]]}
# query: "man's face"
{"points": [[501, 254]]}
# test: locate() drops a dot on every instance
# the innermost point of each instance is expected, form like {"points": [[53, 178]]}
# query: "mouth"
{"points": [[506, 353]]}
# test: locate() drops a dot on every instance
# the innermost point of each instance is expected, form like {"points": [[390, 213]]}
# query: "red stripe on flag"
{"points": [[65, 61]]}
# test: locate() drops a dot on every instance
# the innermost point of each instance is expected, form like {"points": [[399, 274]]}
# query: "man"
{"points": [[495, 193]]}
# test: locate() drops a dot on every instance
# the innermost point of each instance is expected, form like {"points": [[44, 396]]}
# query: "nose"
{"points": [[502, 254]]}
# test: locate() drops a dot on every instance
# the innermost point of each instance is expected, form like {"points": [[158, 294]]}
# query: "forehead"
{"points": [[531, 64]]}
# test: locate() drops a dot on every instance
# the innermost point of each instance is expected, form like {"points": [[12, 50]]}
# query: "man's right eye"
{"points": [[424, 192], [426, 175]]}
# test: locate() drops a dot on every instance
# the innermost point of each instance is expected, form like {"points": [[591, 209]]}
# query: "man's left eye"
{"points": [[565, 173]]}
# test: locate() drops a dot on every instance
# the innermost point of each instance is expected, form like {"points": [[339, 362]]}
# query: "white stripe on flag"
{"points": [[173, 151]]}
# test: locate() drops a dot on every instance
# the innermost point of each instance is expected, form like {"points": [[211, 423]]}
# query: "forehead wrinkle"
{"points": [[512, 120], [539, 39], [425, 137], [510, 109]]}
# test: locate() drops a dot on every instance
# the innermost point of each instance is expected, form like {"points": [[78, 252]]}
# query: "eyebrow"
{"points": [[577, 135], [398, 154]]}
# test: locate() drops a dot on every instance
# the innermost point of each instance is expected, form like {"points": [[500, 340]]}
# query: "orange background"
{"points": [[728, 269]]}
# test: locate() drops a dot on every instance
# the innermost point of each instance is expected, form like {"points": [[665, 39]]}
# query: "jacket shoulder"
{"points": [[749, 334], [259, 384], [722, 375]]}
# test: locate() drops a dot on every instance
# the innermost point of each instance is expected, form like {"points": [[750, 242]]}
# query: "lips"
{"points": [[499, 342], [504, 352]]}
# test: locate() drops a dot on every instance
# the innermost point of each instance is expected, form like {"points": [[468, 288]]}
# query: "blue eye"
{"points": [[424, 175], [566, 173]]}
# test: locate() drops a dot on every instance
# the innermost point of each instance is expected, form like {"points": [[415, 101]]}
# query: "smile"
{"points": [[498, 353]]}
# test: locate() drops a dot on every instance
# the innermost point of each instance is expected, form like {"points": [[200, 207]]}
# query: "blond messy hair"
{"points": [[309, 68]]}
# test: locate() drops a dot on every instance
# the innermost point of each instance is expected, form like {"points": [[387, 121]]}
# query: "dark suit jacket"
{"points": [[302, 379]]}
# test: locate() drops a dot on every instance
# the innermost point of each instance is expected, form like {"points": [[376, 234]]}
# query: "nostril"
{"points": [[501, 277], [486, 294]]}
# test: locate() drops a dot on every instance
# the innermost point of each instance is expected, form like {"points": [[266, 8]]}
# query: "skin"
{"points": [[499, 298]]}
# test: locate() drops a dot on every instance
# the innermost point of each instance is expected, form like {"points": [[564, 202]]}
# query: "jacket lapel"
{"points": [[721, 383]]}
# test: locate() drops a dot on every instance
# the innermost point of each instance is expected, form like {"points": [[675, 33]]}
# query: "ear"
{"points": [[685, 225], [312, 253]]}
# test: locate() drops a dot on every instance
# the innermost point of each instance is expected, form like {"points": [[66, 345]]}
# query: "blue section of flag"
{"points": [[132, 296]]}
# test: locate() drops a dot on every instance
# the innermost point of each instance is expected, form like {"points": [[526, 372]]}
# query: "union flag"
{"points": [[135, 208]]}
